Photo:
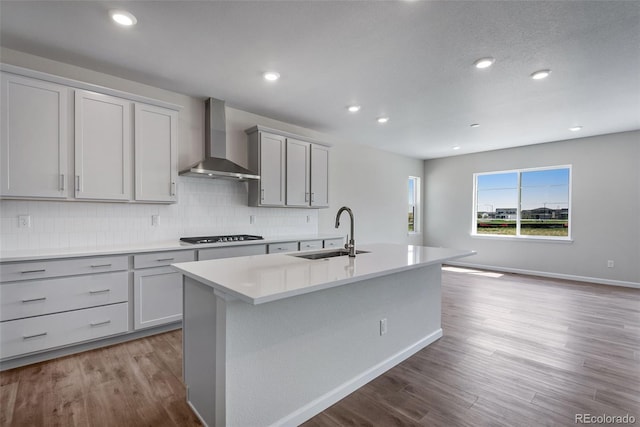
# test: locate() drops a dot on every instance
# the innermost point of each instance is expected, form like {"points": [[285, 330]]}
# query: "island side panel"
{"points": [[203, 343], [290, 359]]}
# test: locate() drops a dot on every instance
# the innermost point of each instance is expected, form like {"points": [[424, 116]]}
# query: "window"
{"points": [[530, 203], [414, 204]]}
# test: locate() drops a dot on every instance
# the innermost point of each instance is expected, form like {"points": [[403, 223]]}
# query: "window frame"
{"points": [[518, 236], [417, 229]]}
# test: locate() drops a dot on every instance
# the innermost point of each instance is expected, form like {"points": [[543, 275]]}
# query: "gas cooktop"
{"points": [[220, 239]]}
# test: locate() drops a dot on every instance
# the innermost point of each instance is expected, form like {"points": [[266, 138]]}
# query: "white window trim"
{"points": [[417, 215], [518, 236]]}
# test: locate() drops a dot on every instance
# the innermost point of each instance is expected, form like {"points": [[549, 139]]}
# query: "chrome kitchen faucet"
{"points": [[351, 245]]}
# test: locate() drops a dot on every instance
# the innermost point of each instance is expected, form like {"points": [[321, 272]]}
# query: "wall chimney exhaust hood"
{"points": [[216, 164]]}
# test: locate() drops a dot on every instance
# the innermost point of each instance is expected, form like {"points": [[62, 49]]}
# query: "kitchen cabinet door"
{"points": [[102, 147], [272, 169], [157, 297], [34, 137], [297, 173], [319, 176], [156, 162]]}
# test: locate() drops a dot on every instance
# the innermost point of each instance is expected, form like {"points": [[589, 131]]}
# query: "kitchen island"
{"points": [[275, 339]]}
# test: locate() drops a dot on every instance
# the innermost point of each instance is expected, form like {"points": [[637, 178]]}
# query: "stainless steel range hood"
{"points": [[216, 164]]}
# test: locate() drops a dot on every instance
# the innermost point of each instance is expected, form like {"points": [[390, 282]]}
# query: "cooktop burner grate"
{"points": [[220, 239]]}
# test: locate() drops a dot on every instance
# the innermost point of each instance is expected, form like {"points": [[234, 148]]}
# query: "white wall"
{"points": [[370, 181], [605, 208]]}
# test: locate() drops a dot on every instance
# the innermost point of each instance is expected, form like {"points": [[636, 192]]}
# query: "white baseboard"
{"points": [[549, 274], [323, 402]]}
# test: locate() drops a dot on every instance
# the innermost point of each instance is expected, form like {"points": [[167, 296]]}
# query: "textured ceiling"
{"points": [[409, 60]]}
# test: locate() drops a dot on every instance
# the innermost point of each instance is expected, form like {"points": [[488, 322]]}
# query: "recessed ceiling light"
{"points": [[474, 125], [457, 147], [122, 17], [272, 76], [353, 108], [484, 62], [383, 119], [541, 74], [575, 128]]}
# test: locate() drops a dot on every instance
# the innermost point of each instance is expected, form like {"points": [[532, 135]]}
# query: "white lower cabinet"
{"points": [[157, 295], [274, 248], [23, 336], [157, 288], [333, 243], [38, 297], [310, 245], [231, 251]]}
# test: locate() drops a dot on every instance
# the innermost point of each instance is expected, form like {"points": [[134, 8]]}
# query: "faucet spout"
{"points": [[351, 244]]}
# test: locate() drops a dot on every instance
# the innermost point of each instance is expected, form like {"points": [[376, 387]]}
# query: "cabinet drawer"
{"points": [[274, 248], [66, 267], [333, 243], [23, 336], [38, 297], [311, 245], [159, 259], [231, 251]]}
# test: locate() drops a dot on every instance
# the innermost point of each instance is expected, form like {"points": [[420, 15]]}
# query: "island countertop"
{"points": [[259, 279]]}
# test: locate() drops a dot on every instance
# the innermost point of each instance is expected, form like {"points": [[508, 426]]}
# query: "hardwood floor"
{"points": [[516, 351]]}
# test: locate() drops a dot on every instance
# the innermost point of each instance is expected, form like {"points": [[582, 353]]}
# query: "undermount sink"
{"points": [[330, 254]]}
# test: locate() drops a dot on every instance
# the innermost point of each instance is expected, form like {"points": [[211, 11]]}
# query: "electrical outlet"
{"points": [[24, 221], [155, 220], [383, 326], [610, 263], [252, 219]]}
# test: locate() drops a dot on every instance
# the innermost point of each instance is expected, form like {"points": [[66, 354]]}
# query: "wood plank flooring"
{"points": [[516, 351]]}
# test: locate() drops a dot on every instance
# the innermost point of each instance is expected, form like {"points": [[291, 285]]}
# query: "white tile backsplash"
{"points": [[205, 207]]}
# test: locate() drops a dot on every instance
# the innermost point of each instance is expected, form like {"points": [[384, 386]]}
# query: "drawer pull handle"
{"points": [[94, 324], [100, 291], [165, 259], [100, 265], [34, 299], [26, 337], [33, 271]]}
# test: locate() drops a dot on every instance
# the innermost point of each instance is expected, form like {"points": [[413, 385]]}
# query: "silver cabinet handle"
{"points": [[94, 324], [306, 197], [262, 194], [173, 188], [41, 334], [34, 299], [33, 271], [77, 183], [100, 265], [313, 197], [100, 291], [165, 259], [62, 182]]}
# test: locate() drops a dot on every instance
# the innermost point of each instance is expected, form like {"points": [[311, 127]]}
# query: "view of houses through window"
{"points": [[523, 203]]}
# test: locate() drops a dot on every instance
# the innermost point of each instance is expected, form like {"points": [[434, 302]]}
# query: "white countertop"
{"points": [[263, 278], [171, 245]]}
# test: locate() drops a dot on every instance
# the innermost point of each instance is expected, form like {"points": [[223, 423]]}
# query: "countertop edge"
{"points": [[39, 255]]}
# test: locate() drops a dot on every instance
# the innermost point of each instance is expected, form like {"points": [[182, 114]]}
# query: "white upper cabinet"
{"points": [[294, 171], [297, 173], [270, 151], [156, 153], [319, 176], [102, 147], [60, 139], [34, 137]]}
